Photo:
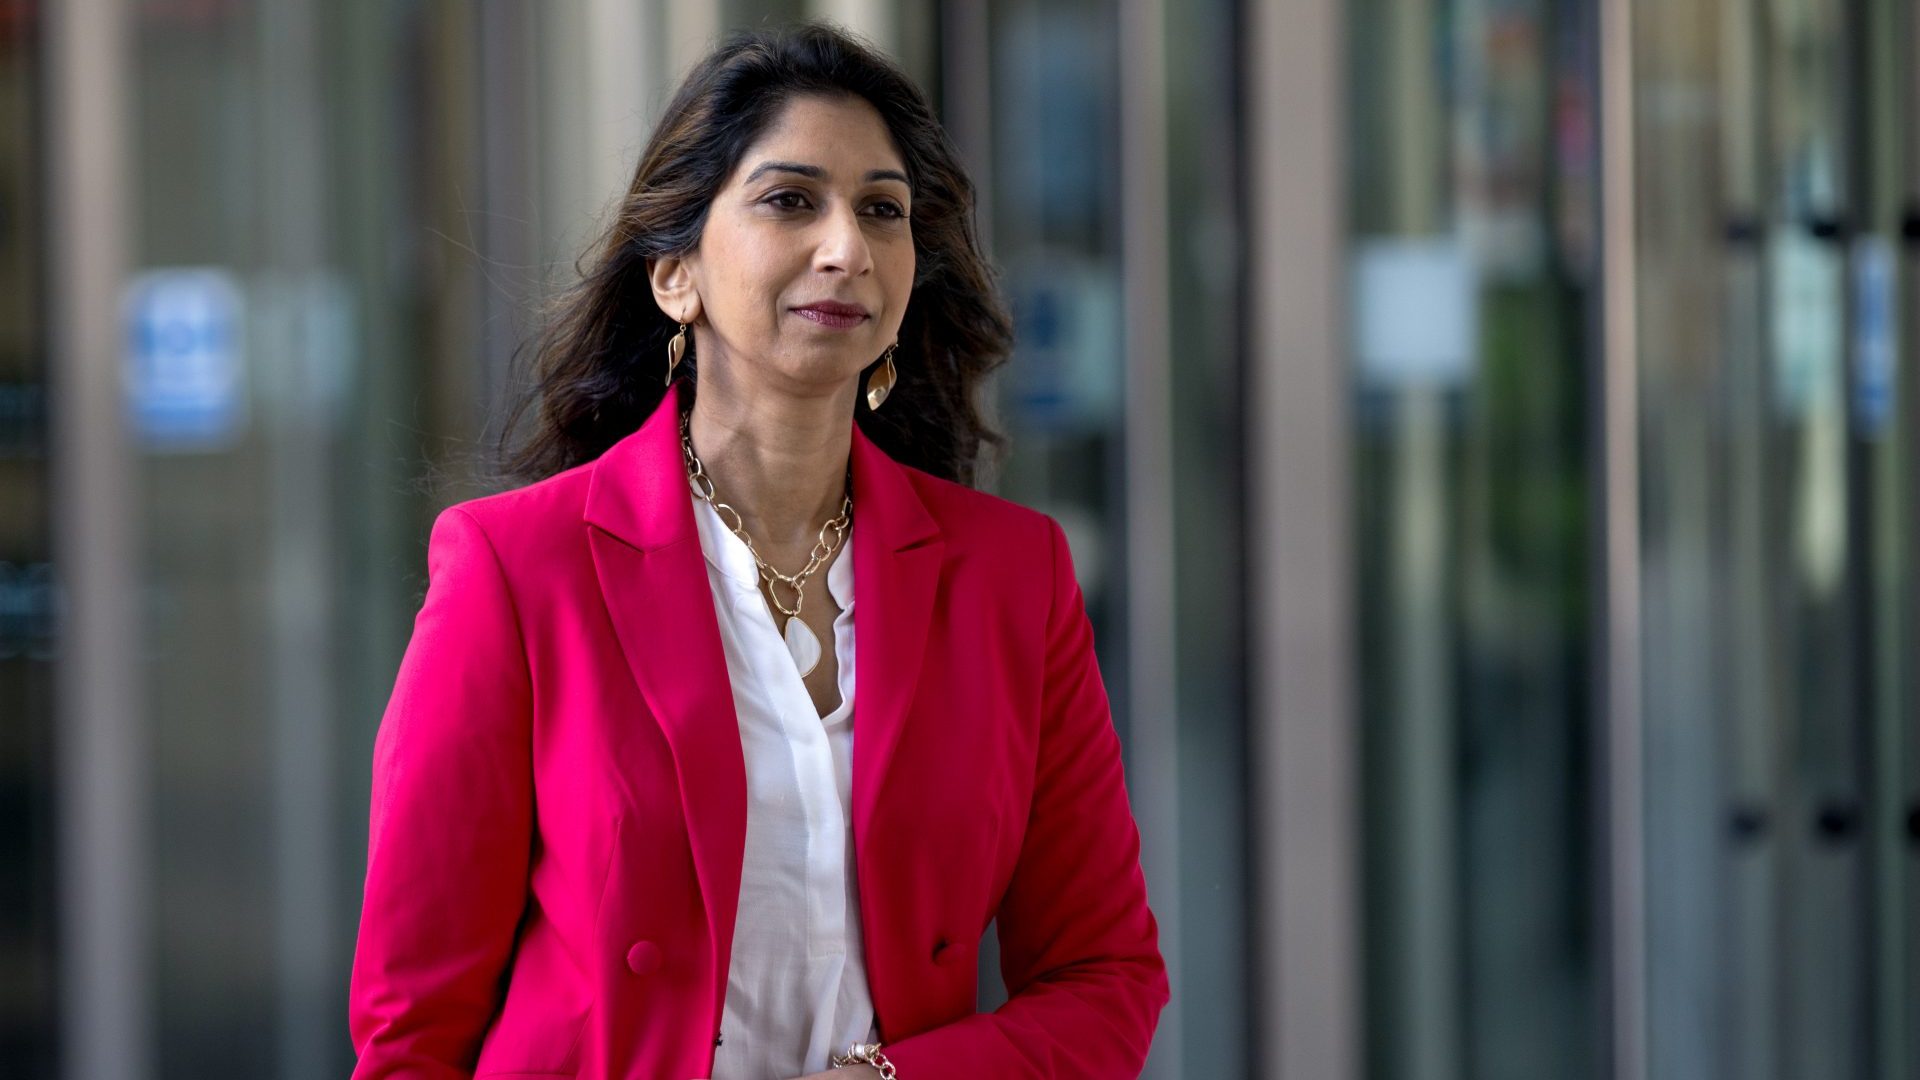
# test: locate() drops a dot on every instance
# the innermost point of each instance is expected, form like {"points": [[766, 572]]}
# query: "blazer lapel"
{"points": [[897, 552], [897, 556], [653, 578]]}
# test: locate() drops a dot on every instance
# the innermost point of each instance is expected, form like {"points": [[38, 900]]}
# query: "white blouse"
{"points": [[797, 981]]}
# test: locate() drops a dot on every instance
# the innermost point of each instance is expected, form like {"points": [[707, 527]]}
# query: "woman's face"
{"points": [[806, 262]]}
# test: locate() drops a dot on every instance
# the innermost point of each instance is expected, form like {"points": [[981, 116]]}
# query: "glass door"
{"points": [[1777, 521], [1471, 271], [28, 595]]}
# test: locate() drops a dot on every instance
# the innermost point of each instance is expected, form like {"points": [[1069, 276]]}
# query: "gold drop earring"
{"points": [[880, 384], [676, 348]]}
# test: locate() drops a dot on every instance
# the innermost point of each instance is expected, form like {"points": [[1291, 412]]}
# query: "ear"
{"points": [[673, 290]]}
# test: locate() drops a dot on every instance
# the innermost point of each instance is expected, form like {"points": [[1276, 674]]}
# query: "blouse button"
{"points": [[643, 958]]}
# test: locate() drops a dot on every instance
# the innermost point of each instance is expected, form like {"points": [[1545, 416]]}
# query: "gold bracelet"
{"points": [[865, 1054]]}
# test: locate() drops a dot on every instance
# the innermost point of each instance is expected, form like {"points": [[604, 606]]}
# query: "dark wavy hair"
{"points": [[597, 372]]}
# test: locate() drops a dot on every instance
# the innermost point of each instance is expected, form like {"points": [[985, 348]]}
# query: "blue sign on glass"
{"points": [[1876, 331], [1068, 365], [185, 368]]}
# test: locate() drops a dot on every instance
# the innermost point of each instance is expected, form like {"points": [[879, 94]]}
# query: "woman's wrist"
{"points": [[868, 1057]]}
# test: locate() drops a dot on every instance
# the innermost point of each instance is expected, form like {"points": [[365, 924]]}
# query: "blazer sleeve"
{"points": [[450, 822], [1078, 944]]}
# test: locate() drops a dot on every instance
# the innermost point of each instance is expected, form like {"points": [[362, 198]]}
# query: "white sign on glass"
{"points": [[1415, 317]]}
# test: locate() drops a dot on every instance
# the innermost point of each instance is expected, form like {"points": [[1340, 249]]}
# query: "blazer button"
{"points": [[643, 958], [944, 952]]}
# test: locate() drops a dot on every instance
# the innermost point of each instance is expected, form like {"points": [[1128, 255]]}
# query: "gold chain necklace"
{"points": [[802, 642]]}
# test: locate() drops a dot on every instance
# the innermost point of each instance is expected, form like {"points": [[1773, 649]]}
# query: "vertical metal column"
{"points": [[622, 76], [1425, 915], [295, 303], [1909, 396], [1883, 138], [1153, 744], [105, 949], [510, 146], [966, 90], [692, 30], [875, 20], [1626, 860], [599, 89], [1303, 720]]}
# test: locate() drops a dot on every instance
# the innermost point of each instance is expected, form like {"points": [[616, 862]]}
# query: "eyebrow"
{"points": [[817, 173]]}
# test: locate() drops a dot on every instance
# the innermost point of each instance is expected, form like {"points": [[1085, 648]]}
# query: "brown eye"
{"points": [[776, 200], [889, 209]]}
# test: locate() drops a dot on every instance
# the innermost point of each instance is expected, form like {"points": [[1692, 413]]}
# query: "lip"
{"points": [[834, 314]]}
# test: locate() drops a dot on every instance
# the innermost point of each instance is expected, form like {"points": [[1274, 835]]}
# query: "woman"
{"points": [[624, 822]]}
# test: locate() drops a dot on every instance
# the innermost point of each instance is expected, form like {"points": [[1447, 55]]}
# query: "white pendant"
{"points": [[804, 644]]}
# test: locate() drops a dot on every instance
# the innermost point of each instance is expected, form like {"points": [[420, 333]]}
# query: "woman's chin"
{"points": [[821, 363]]}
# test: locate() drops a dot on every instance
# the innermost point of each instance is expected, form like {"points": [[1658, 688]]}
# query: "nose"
{"points": [[843, 244]]}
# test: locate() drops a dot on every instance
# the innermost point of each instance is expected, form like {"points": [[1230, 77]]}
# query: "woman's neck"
{"points": [[779, 460]]}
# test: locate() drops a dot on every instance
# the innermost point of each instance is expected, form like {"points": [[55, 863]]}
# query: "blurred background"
{"points": [[1485, 429]]}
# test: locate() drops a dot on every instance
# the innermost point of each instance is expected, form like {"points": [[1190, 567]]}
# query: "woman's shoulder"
{"points": [[543, 518], [970, 516], [998, 551], [533, 517]]}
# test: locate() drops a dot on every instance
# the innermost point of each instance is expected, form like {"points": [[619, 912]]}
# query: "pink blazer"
{"points": [[559, 794]]}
